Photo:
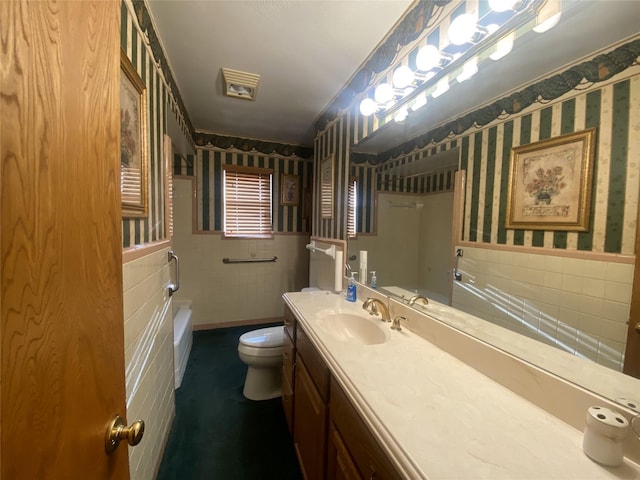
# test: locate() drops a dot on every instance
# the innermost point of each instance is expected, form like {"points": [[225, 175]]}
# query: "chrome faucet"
{"points": [[415, 298], [376, 307]]}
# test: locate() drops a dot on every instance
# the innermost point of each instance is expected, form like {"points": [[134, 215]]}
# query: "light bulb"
{"points": [[408, 90], [503, 47], [402, 77], [428, 57], [441, 87], [492, 28], [461, 29], [501, 5], [547, 24], [401, 115], [548, 16], [420, 101], [383, 93], [368, 107], [469, 70]]}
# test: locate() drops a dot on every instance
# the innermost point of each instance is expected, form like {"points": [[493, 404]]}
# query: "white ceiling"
{"points": [[305, 51]]}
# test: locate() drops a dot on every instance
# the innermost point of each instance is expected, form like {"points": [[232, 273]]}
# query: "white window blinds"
{"points": [[247, 201], [352, 204]]}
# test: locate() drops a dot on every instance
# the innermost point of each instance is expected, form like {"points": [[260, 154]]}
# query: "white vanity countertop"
{"points": [[437, 417]]}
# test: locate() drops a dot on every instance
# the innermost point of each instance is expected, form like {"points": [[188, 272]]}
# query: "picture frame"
{"points": [[289, 189], [326, 188], [550, 183], [134, 153]]}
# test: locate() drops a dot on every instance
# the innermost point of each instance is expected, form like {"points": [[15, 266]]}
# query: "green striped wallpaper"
{"points": [[335, 140], [207, 168], [146, 230], [615, 110]]}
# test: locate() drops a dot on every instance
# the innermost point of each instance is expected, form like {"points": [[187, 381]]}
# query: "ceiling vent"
{"points": [[240, 84]]}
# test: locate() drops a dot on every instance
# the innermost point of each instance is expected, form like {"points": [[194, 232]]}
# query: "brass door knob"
{"points": [[638, 328], [117, 431]]}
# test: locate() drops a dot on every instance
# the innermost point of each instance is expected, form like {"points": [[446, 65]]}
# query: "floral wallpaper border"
{"points": [[250, 145]]}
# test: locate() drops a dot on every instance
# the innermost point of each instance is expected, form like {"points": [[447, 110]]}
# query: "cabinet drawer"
{"points": [[290, 323], [368, 456], [318, 371]]}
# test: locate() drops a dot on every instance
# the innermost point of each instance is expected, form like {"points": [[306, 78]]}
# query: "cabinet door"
{"points": [[309, 425], [288, 380], [290, 323], [340, 465], [371, 460]]}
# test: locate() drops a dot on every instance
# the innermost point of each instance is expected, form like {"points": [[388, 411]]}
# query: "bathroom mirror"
{"points": [[413, 251], [406, 235]]}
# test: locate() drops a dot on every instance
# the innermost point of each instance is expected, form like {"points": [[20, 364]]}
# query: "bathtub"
{"points": [[182, 338]]}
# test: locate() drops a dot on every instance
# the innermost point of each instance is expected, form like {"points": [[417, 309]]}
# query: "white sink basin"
{"points": [[353, 328]]}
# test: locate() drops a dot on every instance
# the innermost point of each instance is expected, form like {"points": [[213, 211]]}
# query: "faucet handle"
{"points": [[395, 325]]}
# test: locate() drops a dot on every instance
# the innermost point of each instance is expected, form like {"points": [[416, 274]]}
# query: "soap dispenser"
{"points": [[374, 279], [351, 288]]}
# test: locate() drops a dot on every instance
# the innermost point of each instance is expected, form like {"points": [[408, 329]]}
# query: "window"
{"points": [[352, 208], [247, 201]]}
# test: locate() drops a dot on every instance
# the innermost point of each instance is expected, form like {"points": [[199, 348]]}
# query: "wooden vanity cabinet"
{"points": [[331, 440], [354, 453], [310, 411], [288, 365]]}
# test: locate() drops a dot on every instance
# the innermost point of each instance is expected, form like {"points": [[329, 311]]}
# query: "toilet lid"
{"points": [[264, 337]]}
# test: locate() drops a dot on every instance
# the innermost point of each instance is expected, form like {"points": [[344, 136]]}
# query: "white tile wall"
{"points": [[148, 337], [222, 293], [578, 305]]}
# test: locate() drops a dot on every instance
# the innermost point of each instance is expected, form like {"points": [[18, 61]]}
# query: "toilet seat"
{"points": [[264, 338], [260, 351]]}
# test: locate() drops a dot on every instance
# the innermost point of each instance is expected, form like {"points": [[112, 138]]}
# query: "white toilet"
{"points": [[262, 351]]}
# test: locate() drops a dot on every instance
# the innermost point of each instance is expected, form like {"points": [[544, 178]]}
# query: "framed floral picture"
{"points": [[289, 189], [134, 159], [550, 183]]}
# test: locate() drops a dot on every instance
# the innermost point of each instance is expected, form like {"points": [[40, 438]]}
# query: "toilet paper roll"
{"points": [[603, 435], [338, 275]]}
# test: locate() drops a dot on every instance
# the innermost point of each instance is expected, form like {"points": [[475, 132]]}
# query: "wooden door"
{"points": [[62, 355], [632, 350]]}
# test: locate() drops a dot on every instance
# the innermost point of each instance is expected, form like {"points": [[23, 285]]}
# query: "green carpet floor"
{"points": [[218, 434]]}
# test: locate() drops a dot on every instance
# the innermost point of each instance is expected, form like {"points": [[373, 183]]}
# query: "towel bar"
{"points": [[249, 260]]}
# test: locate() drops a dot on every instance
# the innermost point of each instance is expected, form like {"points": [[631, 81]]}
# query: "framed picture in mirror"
{"points": [[550, 183], [134, 156]]}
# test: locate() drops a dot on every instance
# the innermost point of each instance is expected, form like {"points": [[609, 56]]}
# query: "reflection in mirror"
{"points": [[530, 293], [326, 188], [413, 243], [410, 249]]}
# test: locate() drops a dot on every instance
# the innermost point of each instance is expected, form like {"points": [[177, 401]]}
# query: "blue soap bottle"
{"points": [[351, 289]]}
